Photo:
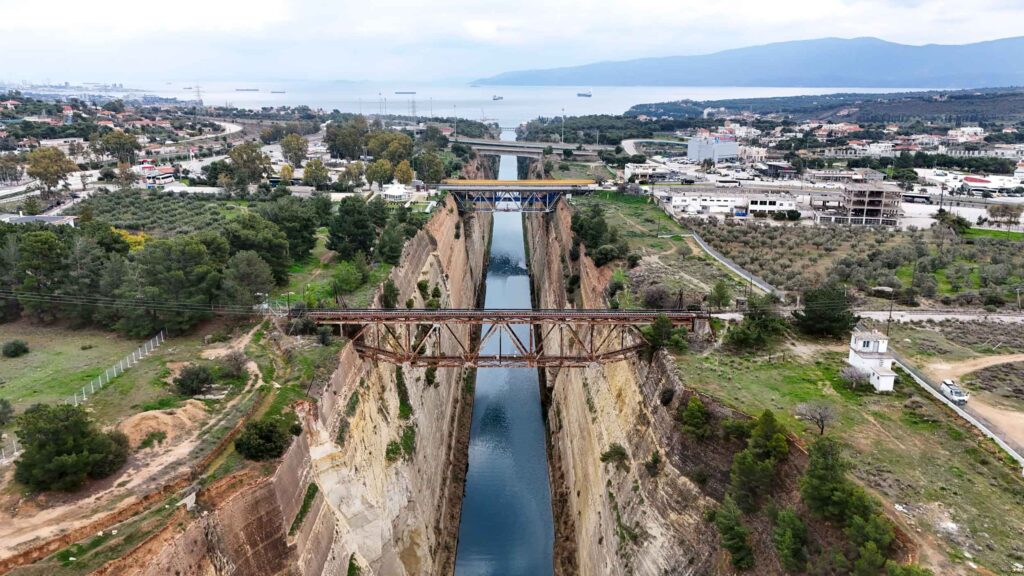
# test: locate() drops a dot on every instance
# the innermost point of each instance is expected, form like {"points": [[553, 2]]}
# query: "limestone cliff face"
{"points": [[480, 167], [396, 512], [611, 519]]}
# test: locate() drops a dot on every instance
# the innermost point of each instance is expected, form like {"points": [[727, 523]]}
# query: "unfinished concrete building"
{"points": [[866, 204]]}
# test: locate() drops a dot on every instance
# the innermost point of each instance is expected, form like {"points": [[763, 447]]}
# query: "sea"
{"points": [[507, 105]]}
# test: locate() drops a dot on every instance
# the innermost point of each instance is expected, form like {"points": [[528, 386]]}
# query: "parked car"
{"points": [[954, 393]]}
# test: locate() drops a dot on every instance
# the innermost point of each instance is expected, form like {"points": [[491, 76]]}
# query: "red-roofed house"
{"points": [[9, 104]]}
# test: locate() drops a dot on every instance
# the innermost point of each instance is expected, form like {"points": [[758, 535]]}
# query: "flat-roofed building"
{"points": [[715, 148]]}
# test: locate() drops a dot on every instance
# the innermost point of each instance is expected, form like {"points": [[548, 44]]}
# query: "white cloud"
{"points": [[413, 39]]}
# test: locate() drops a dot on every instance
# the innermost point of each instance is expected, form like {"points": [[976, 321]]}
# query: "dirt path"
{"points": [[23, 521], [952, 370], [1009, 422]]}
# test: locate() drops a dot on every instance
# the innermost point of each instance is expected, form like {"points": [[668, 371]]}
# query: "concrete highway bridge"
{"points": [[512, 195], [511, 337], [529, 149]]}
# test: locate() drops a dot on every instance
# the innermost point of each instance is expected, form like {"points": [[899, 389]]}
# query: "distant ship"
{"points": [[404, 92], [586, 94], [277, 92], [247, 89], [496, 97], [187, 88]]}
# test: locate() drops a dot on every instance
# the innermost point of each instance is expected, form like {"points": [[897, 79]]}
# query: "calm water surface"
{"points": [[506, 526]]}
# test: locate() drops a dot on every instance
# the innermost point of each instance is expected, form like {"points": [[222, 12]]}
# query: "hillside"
{"points": [[832, 62]]}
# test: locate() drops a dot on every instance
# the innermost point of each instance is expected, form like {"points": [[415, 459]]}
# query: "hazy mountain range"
{"points": [[827, 62]]}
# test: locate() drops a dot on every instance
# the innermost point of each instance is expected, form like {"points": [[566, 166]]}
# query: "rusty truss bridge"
{"points": [[496, 337]]}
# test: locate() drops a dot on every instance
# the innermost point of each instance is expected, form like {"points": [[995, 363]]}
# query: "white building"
{"points": [[1019, 173], [646, 171], [396, 192], [715, 148], [771, 203], [733, 203], [869, 352]]}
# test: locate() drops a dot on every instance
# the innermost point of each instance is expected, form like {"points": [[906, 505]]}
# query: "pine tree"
{"points": [[749, 478], [790, 538], [734, 535]]}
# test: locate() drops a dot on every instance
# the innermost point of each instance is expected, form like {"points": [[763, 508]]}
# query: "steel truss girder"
{"points": [[550, 343]]}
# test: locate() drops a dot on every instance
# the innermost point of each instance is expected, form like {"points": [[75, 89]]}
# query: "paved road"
{"points": [[629, 146]]}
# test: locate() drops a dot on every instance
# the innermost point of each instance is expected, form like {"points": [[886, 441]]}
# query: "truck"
{"points": [[954, 393]]}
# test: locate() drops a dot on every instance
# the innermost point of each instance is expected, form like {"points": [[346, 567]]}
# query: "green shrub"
{"points": [[194, 379], [262, 440], [6, 412], [653, 466], [64, 448], [695, 418], [404, 407], [616, 454], [15, 348], [153, 438], [737, 428]]}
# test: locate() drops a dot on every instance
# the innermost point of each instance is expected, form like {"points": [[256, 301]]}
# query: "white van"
{"points": [[954, 393]]}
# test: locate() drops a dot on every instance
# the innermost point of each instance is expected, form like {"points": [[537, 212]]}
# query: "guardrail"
{"points": [[1015, 451], [741, 271]]}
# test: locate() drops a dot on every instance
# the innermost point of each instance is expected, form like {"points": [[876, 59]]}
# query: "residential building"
{"points": [[716, 148], [1019, 172], [869, 353]]}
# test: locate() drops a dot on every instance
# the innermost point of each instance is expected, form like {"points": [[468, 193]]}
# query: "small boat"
{"points": [[404, 92], [187, 88], [587, 94], [496, 97], [247, 89], [277, 92]]}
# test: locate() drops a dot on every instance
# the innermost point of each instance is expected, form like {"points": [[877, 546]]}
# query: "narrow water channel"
{"points": [[506, 526]]}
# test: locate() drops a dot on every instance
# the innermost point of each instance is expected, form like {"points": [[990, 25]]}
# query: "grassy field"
{"points": [[310, 279], [60, 361], [904, 446], [672, 261], [978, 233], [57, 366], [580, 170]]}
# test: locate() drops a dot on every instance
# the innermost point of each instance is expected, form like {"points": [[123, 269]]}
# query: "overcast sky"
{"points": [[416, 40]]}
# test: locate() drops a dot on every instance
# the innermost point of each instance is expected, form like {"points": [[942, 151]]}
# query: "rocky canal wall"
{"points": [[611, 519], [390, 474]]}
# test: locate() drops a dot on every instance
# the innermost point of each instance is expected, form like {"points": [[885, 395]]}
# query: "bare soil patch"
{"points": [[174, 423]]}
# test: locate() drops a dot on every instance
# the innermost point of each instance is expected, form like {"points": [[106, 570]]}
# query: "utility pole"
{"points": [[889, 321], [455, 113], [563, 126]]}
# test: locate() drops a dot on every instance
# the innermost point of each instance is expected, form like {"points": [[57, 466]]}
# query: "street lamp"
{"points": [[563, 126]]}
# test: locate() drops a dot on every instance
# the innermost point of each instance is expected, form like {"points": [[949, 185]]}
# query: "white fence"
{"points": [[117, 369], [9, 447]]}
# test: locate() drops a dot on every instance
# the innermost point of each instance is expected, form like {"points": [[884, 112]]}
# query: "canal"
{"points": [[506, 526]]}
